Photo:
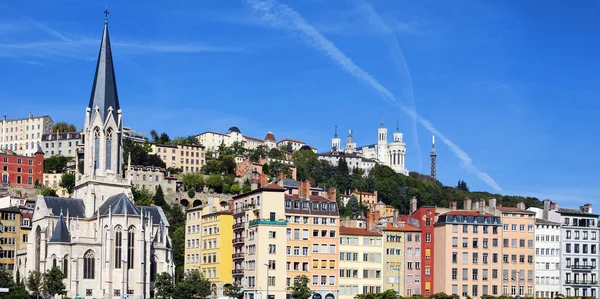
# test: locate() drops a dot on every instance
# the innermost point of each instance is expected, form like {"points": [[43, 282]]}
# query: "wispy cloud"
{"points": [[282, 17]]}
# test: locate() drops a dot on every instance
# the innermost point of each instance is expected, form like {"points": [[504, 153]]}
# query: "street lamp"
{"points": [[268, 267]]}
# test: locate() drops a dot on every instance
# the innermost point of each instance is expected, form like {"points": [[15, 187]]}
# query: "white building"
{"points": [[105, 244], [547, 258], [61, 144], [383, 152], [24, 134], [353, 160], [212, 140]]}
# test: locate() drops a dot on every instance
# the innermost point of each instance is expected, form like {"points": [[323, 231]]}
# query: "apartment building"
{"points": [[11, 237], [193, 235], [150, 177], [23, 135], [467, 246], [187, 158], [361, 262], [52, 180], [258, 226], [547, 258], [517, 250], [402, 259], [22, 171], [312, 236], [579, 251], [424, 218], [61, 144]]}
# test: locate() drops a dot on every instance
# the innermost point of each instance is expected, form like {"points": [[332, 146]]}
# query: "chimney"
{"points": [[332, 194], [546, 212], [301, 190], [413, 205], [396, 215], [521, 205], [371, 220], [586, 208], [476, 205], [554, 206], [453, 205], [262, 180], [481, 205], [467, 204], [492, 203], [307, 189]]}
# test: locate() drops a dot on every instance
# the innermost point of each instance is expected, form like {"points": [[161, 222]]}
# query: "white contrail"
{"points": [[398, 57], [281, 16]]}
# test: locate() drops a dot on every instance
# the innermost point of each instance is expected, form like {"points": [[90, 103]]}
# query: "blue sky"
{"points": [[509, 87]]}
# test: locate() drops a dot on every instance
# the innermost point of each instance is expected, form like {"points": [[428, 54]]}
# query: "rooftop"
{"points": [[357, 231], [514, 210], [576, 212]]}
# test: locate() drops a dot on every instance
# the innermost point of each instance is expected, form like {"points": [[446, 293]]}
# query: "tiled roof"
{"points": [[357, 231], [291, 140], [467, 213], [545, 222], [119, 204], [72, 206], [404, 228], [515, 210], [61, 232], [255, 139], [575, 212]]}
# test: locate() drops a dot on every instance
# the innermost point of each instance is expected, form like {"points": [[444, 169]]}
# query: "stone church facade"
{"points": [[105, 244]]}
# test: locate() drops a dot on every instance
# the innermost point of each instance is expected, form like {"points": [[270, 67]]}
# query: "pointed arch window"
{"points": [[96, 147], [118, 246], [153, 268], [89, 265], [38, 241], [65, 265], [130, 245], [109, 140], [53, 258]]}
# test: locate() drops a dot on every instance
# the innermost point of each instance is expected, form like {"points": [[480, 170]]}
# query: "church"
{"points": [[383, 152], [105, 245]]}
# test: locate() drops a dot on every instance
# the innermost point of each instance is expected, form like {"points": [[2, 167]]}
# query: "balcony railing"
{"points": [[238, 225], [238, 240], [582, 267], [238, 255], [267, 222], [237, 271], [579, 282]]}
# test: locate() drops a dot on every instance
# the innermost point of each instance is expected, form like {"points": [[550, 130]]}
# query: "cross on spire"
{"points": [[106, 13]]}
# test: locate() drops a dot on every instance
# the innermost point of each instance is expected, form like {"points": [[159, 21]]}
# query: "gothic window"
{"points": [[153, 268], [38, 241], [109, 139], [65, 265], [118, 246], [96, 147], [89, 265], [394, 155], [130, 244], [53, 258]]}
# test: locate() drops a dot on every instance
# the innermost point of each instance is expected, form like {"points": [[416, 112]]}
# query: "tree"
{"points": [[215, 182], [6, 280], [235, 189], [35, 283], [212, 167], [228, 164], [67, 181], [289, 148], [53, 282], [276, 154], [48, 192], [353, 208], [191, 193], [235, 290], [164, 138], [246, 187], [159, 196], [63, 127], [462, 185], [300, 289], [163, 286], [276, 168], [154, 135], [140, 154], [192, 180], [141, 197], [194, 285], [56, 164], [388, 294]]}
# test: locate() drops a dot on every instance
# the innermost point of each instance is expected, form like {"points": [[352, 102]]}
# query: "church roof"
{"points": [[104, 89], [119, 204], [61, 232], [57, 205], [39, 150], [234, 129]]}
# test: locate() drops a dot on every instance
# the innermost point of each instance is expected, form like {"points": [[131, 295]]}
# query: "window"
{"points": [[273, 249], [88, 265], [131, 245], [118, 245]]}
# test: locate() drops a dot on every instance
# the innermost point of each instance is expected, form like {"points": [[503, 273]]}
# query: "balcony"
{"points": [[239, 255], [238, 225], [579, 282], [267, 222], [238, 240], [237, 271], [583, 267]]}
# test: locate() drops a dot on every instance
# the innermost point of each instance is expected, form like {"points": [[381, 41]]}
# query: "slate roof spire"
{"points": [[104, 89], [61, 231]]}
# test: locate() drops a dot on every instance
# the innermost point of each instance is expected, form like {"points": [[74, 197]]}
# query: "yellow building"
{"points": [[397, 246], [361, 262], [52, 180], [518, 250], [11, 237], [209, 243], [188, 158]]}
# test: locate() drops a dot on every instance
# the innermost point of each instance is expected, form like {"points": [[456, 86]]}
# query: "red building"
{"points": [[22, 171], [424, 218]]}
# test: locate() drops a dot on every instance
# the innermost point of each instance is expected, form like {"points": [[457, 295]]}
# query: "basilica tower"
{"points": [[382, 151], [396, 152], [336, 142]]}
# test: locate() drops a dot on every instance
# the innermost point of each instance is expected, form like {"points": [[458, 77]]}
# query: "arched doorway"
{"points": [[196, 203], [185, 203]]}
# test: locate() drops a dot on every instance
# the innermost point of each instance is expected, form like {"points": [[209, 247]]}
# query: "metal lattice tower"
{"points": [[433, 156]]}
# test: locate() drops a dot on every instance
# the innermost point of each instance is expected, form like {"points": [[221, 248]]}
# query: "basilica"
{"points": [[104, 244]]}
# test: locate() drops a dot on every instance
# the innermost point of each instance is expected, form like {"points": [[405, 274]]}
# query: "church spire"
{"points": [[397, 125], [335, 135], [104, 89]]}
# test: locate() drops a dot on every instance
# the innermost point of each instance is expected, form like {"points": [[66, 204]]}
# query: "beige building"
{"points": [[188, 158], [467, 254], [52, 180], [361, 262], [212, 140], [402, 259], [518, 249], [61, 144], [22, 135], [148, 177]]}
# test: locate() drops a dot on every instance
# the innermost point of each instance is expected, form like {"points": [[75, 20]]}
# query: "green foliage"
{"points": [[159, 196], [191, 193], [141, 197], [140, 154], [388, 294], [176, 219], [48, 192], [275, 153], [56, 164], [260, 151], [353, 208], [462, 185], [300, 289], [163, 286], [35, 283], [67, 181], [289, 148], [16, 290], [6, 280], [53, 282], [63, 127], [192, 286], [276, 168], [246, 187], [192, 180], [235, 290], [228, 164], [212, 167], [235, 189], [215, 182]]}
